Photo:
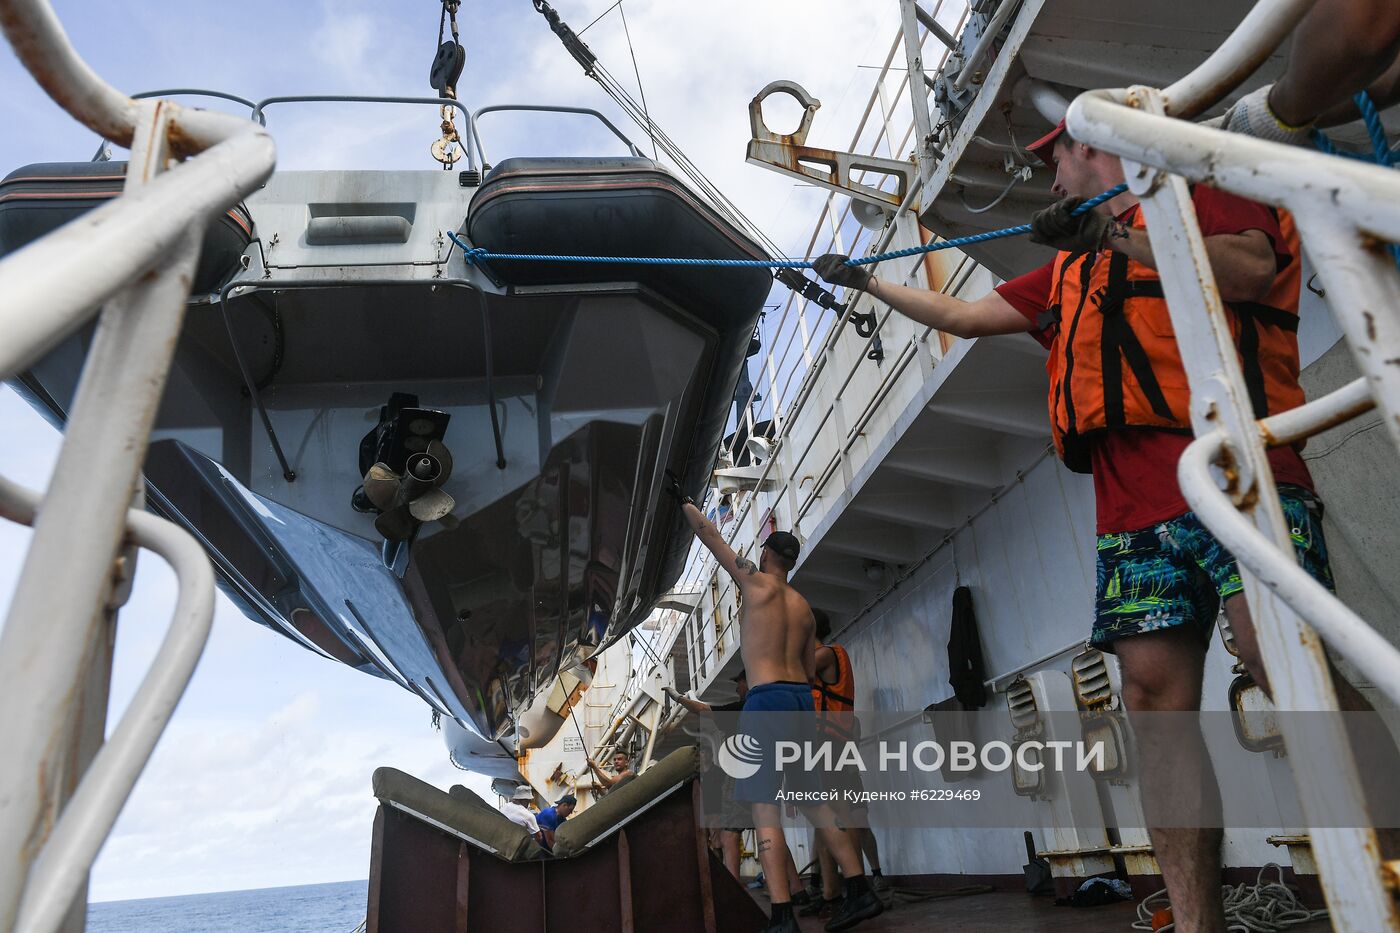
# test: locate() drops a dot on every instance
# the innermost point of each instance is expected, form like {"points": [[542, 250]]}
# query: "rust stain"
{"points": [[180, 141], [1372, 244], [1390, 873], [1370, 325]]}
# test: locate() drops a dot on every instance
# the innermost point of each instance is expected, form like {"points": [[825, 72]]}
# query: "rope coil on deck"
{"points": [[1267, 906], [476, 254]]}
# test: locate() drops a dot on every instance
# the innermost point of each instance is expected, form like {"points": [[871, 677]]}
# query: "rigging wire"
{"points": [[660, 139], [622, 11], [598, 17]]}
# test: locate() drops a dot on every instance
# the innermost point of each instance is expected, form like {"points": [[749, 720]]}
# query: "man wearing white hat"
{"points": [[516, 810]]}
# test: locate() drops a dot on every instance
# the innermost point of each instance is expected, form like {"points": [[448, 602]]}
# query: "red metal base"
{"points": [[655, 874]]}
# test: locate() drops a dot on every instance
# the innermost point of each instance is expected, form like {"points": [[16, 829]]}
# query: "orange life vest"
{"points": [[1114, 362], [840, 695], [836, 701]]}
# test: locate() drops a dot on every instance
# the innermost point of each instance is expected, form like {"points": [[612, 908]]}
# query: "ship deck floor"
{"points": [[997, 911]]}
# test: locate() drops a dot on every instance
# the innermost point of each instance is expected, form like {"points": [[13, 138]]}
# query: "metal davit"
{"points": [[61, 785], [1347, 211]]}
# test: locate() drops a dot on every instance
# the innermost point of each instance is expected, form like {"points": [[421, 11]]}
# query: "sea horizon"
{"points": [[276, 887], [315, 908]]}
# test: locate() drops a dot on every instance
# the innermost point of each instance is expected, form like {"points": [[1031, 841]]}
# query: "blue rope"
{"points": [[1380, 146], [478, 254]]}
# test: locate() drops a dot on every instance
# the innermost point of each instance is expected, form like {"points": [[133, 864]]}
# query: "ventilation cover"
{"points": [[1020, 703], [1092, 686]]}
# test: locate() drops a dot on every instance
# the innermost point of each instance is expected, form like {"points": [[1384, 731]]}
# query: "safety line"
{"points": [[477, 254]]}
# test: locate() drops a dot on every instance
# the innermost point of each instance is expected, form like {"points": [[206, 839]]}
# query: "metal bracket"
{"points": [[789, 154]]}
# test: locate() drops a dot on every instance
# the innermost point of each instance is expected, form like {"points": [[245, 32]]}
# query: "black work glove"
{"points": [[1057, 226], [833, 269], [672, 487]]}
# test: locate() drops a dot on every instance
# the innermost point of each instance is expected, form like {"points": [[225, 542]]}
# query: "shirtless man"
{"points": [[776, 640], [622, 769]]}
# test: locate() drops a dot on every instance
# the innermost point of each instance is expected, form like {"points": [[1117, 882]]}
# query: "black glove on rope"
{"points": [[833, 269], [1057, 226], [672, 488]]}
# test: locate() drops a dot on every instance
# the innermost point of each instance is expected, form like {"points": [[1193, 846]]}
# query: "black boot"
{"points": [[860, 903], [783, 920]]}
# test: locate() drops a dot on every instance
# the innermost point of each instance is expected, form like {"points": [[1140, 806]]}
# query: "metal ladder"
{"points": [[61, 785], [1342, 208]]}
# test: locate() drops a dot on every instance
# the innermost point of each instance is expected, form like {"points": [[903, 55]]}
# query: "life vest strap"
{"points": [[1119, 342]]}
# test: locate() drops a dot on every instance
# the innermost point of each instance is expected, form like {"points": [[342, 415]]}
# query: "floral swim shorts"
{"points": [[1177, 573]]}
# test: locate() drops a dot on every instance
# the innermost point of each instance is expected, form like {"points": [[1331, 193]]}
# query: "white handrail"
{"points": [[42, 46], [1242, 52], [1345, 210], [58, 283], [55, 284], [1334, 408], [136, 254], [1339, 626], [61, 869]]}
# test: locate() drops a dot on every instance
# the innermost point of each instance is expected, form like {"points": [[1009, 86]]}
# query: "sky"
{"points": [[263, 777]]}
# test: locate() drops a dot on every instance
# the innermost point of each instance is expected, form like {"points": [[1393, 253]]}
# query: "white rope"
{"points": [[1262, 907]]}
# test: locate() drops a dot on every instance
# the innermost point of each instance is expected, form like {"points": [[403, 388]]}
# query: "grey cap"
{"points": [[523, 792]]}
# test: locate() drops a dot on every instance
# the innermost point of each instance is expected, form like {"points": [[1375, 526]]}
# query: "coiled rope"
{"points": [[1267, 906], [477, 254]]}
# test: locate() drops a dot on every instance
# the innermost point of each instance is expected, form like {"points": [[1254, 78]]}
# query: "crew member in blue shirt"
{"points": [[550, 817]]}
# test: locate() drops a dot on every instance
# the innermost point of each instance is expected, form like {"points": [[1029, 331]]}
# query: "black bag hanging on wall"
{"points": [[967, 673]]}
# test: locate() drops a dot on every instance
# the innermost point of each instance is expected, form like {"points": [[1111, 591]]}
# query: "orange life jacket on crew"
{"points": [[840, 695], [1114, 362]]}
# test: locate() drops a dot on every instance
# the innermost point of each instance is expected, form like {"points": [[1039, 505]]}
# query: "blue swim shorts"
{"points": [[774, 712]]}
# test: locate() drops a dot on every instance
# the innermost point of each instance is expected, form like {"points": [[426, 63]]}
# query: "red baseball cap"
{"points": [[1044, 147]]}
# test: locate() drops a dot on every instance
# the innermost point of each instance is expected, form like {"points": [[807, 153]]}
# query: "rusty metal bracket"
{"points": [[789, 154]]}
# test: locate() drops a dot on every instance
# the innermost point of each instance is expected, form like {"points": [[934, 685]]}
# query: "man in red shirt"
{"points": [[1119, 410]]}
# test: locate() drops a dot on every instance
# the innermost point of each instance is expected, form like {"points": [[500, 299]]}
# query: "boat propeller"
{"points": [[407, 500], [405, 464]]}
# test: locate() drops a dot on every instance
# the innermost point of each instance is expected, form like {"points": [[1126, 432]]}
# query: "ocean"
{"points": [[309, 908]]}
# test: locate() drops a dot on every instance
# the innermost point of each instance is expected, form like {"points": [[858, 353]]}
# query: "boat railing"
{"points": [[1345, 211], [476, 153], [546, 108], [473, 161], [132, 260]]}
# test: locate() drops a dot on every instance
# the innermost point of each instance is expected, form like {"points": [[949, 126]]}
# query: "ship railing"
{"points": [[1346, 211], [132, 259], [795, 334]]}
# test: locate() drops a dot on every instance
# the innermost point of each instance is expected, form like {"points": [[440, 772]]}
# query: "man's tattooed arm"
{"points": [[714, 542]]}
